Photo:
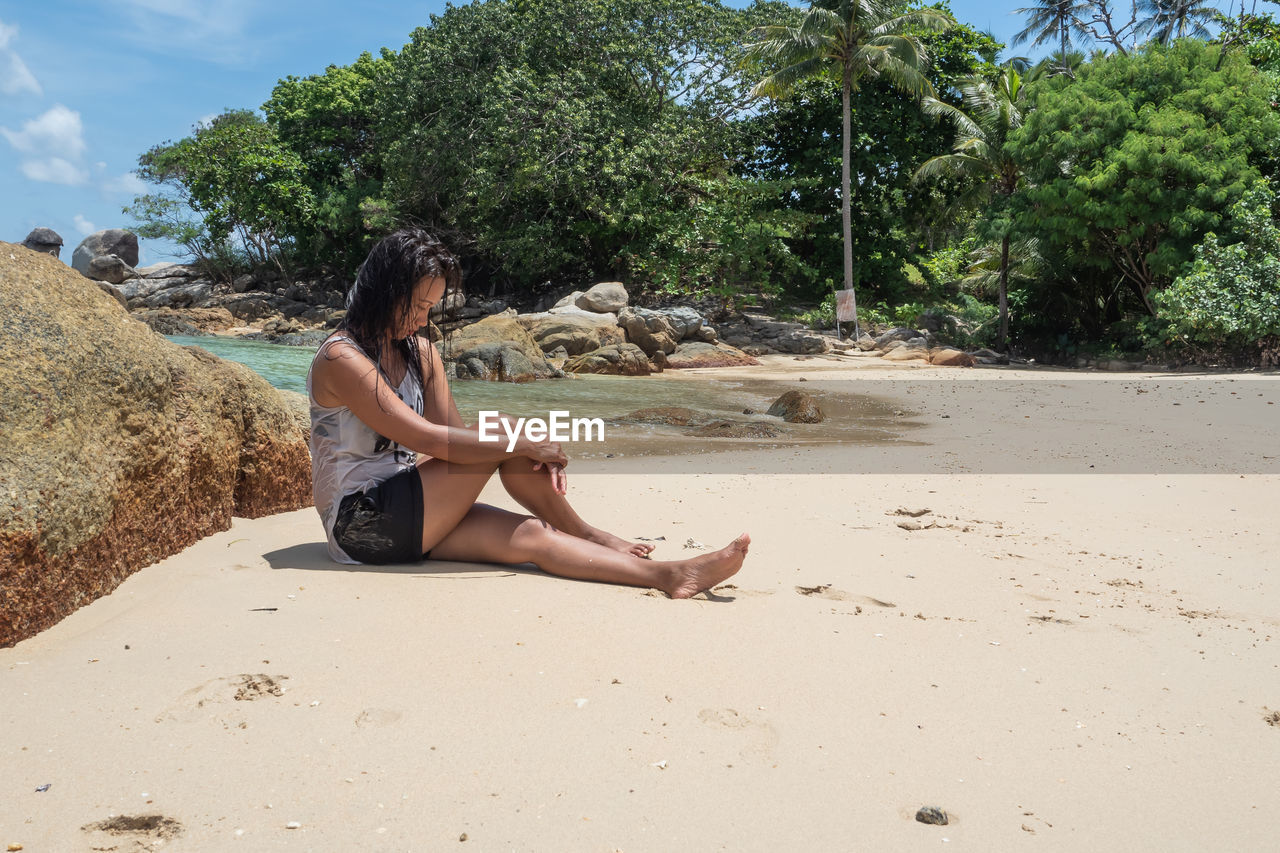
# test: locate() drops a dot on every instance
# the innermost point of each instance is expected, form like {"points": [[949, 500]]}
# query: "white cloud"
{"points": [[56, 133], [55, 170], [54, 145], [15, 76], [84, 226]]}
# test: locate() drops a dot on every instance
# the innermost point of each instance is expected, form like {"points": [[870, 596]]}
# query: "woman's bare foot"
{"points": [[617, 543], [703, 572]]}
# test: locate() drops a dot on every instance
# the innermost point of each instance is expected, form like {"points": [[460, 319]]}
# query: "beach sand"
{"points": [[1061, 657]]}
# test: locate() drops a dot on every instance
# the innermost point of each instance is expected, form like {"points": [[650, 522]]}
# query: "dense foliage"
{"points": [[1231, 294]]}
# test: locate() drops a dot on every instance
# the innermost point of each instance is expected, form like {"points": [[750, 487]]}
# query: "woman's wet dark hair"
{"points": [[380, 299]]}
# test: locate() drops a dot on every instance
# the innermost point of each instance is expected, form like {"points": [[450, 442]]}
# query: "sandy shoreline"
{"points": [[1062, 658]]}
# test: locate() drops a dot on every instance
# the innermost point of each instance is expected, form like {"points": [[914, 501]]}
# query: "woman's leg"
{"points": [[532, 490], [489, 535]]}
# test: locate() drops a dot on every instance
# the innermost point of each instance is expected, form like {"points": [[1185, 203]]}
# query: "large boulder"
{"points": [[900, 333], [616, 359], [44, 240], [950, 357], [113, 241], [694, 354], [110, 268], [120, 448], [496, 348], [797, 407], [576, 330], [685, 321], [652, 331], [607, 297]]}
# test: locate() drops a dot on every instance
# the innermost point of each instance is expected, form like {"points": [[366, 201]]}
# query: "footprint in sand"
{"points": [[146, 832], [199, 702], [376, 718], [832, 594], [759, 738]]}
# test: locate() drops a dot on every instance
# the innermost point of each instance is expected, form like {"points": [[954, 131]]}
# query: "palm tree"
{"points": [[1171, 19], [1049, 20], [992, 111], [850, 40]]}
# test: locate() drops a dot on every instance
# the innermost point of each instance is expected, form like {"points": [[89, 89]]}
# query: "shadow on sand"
{"points": [[314, 557]]}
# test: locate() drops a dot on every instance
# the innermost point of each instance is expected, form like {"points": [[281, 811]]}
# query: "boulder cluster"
{"points": [[592, 331], [906, 344]]}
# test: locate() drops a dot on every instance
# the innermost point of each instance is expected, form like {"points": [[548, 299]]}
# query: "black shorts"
{"points": [[384, 523]]}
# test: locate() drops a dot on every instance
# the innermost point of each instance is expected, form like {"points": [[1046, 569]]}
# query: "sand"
{"points": [[1061, 657]]}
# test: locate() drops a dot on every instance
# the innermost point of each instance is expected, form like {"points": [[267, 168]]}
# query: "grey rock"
{"points": [[768, 327], [649, 330], [112, 241], [109, 268], [607, 297], [167, 269], [898, 334], [801, 343], [44, 240], [190, 294], [137, 289], [684, 320], [241, 283]]}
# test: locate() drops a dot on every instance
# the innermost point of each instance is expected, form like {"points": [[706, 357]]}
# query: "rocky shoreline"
{"points": [[593, 331]]}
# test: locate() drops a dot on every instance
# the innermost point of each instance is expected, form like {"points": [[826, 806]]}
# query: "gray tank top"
{"points": [[347, 456]]}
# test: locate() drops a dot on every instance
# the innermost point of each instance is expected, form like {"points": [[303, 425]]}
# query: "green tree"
{"points": [[848, 40], [1132, 163], [328, 121], [235, 175], [1231, 293], [552, 140], [993, 110]]}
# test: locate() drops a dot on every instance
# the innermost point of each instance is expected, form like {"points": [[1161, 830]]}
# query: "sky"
{"points": [[86, 87]]}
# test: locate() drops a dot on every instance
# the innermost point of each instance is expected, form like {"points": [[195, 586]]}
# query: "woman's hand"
{"points": [[559, 480], [549, 455]]}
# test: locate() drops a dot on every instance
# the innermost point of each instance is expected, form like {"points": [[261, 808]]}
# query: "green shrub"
{"points": [[1231, 295]]}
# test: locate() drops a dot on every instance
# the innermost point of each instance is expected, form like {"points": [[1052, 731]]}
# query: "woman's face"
{"points": [[426, 294]]}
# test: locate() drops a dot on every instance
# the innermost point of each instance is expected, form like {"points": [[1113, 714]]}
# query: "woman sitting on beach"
{"points": [[396, 472]]}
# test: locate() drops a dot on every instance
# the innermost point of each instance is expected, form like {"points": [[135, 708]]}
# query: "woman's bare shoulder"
{"points": [[338, 367]]}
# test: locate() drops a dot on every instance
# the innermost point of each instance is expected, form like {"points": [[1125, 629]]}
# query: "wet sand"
{"points": [[967, 617]]}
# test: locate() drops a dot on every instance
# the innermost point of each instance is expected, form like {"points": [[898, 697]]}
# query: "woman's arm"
{"points": [[344, 376], [432, 366]]}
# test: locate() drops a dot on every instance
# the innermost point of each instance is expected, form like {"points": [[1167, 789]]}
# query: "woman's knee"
{"points": [[533, 534]]}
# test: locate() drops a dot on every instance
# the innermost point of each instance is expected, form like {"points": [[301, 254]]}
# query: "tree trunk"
{"points": [[1004, 294], [846, 214]]}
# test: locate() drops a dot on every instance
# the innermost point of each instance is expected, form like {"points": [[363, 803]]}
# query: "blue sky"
{"points": [[85, 87]]}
